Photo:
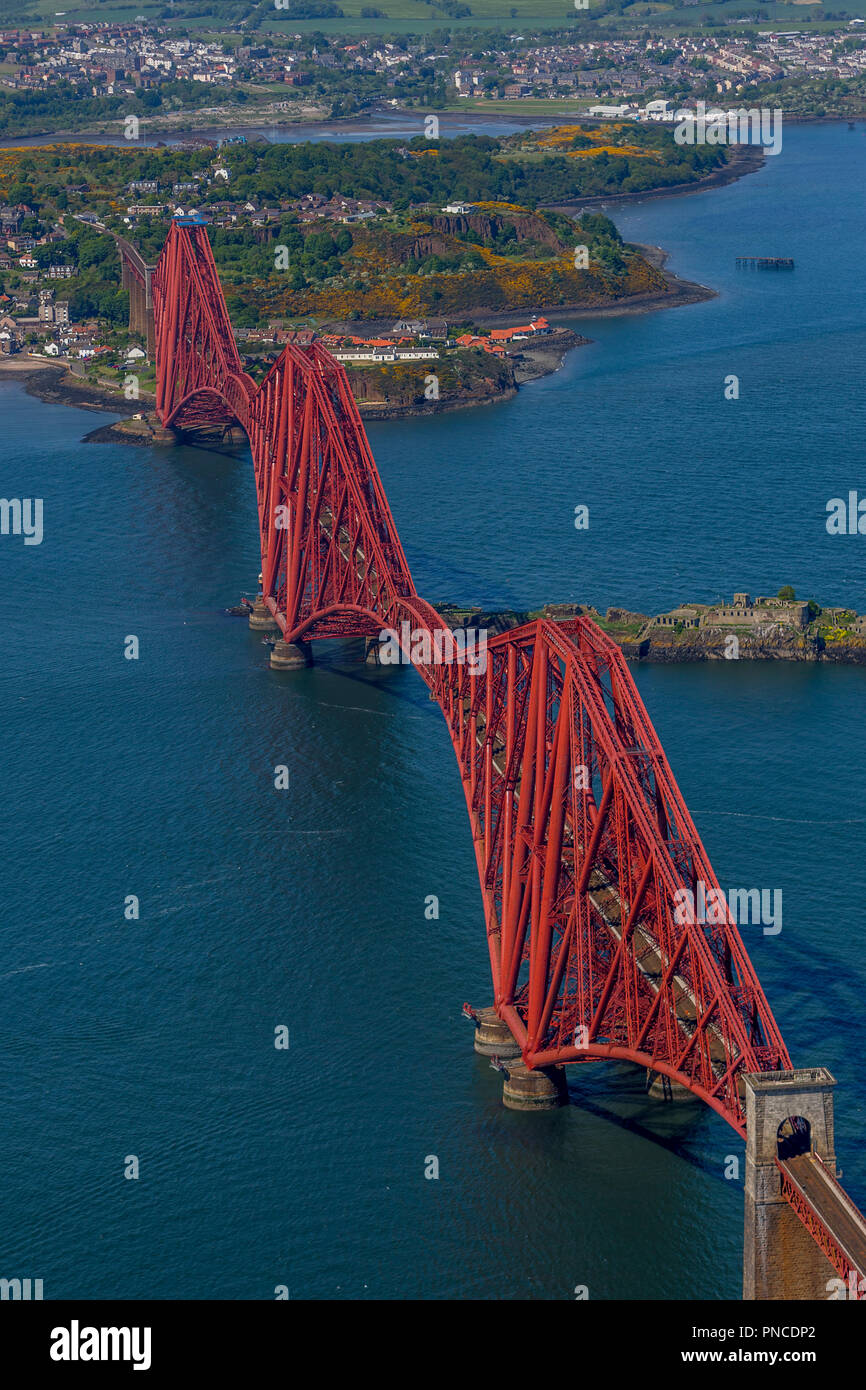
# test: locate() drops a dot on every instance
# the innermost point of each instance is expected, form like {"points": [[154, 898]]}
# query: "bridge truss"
{"points": [[585, 848]]}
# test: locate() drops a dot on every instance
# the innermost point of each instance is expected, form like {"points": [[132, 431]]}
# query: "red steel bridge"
{"points": [[582, 838]]}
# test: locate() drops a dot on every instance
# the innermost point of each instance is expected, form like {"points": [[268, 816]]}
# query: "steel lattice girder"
{"points": [[581, 834]]}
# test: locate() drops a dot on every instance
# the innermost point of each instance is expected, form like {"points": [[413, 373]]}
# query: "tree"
{"points": [[787, 593]]}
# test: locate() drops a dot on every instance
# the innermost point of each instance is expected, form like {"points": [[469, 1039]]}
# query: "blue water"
{"points": [[305, 908], [690, 495]]}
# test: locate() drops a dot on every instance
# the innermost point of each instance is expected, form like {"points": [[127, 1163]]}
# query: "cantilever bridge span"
{"points": [[582, 838]]}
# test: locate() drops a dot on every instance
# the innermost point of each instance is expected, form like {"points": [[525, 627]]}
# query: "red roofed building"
{"points": [[470, 340], [535, 329]]}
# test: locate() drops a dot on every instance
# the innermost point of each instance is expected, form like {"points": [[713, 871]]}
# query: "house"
{"points": [[366, 354], [470, 340], [462, 208], [437, 329], [538, 328], [467, 81], [10, 221], [10, 335]]}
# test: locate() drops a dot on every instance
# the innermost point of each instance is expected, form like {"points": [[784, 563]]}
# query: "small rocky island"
{"points": [[748, 629]]}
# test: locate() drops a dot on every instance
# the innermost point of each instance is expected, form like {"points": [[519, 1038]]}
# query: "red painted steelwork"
{"points": [[582, 838]]}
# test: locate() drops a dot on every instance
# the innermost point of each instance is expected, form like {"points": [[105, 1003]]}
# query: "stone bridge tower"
{"points": [[780, 1258]]}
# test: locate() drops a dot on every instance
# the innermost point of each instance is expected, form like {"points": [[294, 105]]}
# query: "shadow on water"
{"points": [[685, 1121]]}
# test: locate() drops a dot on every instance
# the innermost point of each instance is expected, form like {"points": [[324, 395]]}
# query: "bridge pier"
{"points": [[261, 618], [493, 1038], [780, 1258], [371, 651], [136, 277], [539, 1088], [290, 656]]}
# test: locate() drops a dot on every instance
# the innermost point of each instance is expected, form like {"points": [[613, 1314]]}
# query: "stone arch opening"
{"points": [[793, 1137]]}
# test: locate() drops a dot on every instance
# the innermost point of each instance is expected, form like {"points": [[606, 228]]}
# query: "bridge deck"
{"points": [[830, 1204]]}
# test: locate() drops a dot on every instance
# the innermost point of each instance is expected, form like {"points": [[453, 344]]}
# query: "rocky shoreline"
{"points": [[57, 385], [742, 160]]}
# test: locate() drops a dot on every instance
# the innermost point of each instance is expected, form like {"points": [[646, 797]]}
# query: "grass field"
{"points": [[526, 106], [416, 16], [483, 11]]}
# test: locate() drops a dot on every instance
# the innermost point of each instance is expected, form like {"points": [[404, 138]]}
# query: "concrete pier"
{"points": [[540, 1089], [780, 1258], [290, 656], [493, 1038], [261, 618]]}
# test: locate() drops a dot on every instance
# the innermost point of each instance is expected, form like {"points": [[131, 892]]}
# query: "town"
{"points": [[139, 81], [174, 77]]}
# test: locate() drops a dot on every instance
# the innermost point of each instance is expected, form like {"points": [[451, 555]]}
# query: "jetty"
{"points": [[765, 262]]}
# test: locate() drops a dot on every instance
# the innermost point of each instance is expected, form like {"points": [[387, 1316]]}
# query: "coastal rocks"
{"points": [[527, 227], [666, 645], [463, 378], [147, 430], [713, 644], [545, 357], [623, 617], [711, 647]]}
